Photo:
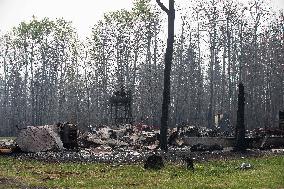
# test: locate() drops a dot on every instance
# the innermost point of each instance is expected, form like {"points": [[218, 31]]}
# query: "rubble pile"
{"points": [[262, 132], [117, 144], [68, 134], [144, 137], [7, 146], [194, 131], [105, 139], [124, 136], [8, 143]]}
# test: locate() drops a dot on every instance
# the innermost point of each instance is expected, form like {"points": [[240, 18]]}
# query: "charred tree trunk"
{"points": [[240, 127], [167, 73]]}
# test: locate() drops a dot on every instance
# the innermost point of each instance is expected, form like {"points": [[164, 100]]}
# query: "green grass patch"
{"points": [[267, 172]]}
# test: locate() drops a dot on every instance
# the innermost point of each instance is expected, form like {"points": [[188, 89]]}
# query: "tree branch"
{"points": [[162, 6]]}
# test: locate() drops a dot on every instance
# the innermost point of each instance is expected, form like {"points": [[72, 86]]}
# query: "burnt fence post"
{"points": [[241, 143]]}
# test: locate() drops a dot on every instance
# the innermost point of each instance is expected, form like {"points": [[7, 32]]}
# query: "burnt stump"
{"points": [[154, 162]]}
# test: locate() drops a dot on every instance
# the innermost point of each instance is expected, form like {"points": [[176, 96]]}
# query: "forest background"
{"points": [[50, 74]]}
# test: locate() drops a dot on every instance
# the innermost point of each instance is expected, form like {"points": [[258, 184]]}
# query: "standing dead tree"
{"points": [[167, 72]]}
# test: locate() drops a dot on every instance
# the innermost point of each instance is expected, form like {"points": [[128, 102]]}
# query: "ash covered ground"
{"points": [[126, 156]]}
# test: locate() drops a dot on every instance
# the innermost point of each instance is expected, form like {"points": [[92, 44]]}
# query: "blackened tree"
{"points": [[167, 72]]}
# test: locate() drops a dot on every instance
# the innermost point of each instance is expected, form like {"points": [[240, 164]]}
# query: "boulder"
{"points": [[39, 139]]}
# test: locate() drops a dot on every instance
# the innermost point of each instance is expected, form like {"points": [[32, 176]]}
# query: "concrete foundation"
{"points": [[230, 141]]}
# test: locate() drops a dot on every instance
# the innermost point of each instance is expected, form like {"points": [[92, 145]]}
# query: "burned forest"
{"points": [[49, 75], [159, 94], [207, 74]]}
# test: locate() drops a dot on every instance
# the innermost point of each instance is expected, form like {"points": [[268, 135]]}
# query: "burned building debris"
{"points": [[48, 138], [68, 135], [127, 144], [133, 137], [40, 138], [120, 107]]}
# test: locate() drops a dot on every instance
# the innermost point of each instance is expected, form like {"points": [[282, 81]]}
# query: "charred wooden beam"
{"points": [[240, 127]]}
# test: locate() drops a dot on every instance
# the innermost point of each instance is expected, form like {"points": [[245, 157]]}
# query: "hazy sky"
{"points": [[83, 13]]}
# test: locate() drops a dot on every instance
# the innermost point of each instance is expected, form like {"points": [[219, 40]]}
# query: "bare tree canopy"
{"points": [[48, 74]]}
